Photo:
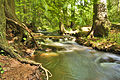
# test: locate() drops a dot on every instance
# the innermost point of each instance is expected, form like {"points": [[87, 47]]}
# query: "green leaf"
{"points": [[2, 51], [2, 72], [26, 33], [2, 54], [24, 39], [0, 68]]}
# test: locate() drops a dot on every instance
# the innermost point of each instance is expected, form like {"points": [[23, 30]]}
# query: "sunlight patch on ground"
{"points": [[86, 28]]}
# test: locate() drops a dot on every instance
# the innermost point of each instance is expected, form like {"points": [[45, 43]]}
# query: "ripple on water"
{"points": [[76, 63]]}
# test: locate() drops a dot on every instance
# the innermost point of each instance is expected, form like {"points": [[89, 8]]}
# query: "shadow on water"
{"points": [[77, 63]]}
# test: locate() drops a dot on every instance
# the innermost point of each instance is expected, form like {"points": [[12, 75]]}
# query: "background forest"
{"points": [[74, 14], [46, 14]]}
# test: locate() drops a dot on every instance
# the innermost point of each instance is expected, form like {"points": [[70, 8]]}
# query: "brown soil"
{"points": [[14, 70]]}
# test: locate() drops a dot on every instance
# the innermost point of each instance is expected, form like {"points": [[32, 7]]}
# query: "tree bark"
{"points": [[2, 24], [101, 23], [62, 28], [61, 23]]}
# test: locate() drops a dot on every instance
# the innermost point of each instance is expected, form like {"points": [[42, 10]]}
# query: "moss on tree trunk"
{"points": [[100, 21], [101, 24], [2, 24]]}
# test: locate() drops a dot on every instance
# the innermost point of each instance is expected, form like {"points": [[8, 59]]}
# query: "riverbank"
{"points": [[11, 69], [100, 44], [111, 43]]}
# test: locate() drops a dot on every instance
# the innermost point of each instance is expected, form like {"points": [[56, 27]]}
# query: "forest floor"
{"points": [[11, 69], [108, 44]]}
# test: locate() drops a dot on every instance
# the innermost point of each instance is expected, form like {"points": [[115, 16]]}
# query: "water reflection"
{"points": [[77, 63]]}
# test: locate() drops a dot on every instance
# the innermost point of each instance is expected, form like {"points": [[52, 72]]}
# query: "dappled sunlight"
{"points": [[48, 54], [86, 28]]}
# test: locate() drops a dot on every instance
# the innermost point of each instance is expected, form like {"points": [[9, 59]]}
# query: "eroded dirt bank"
{"points": [[14, 70]]}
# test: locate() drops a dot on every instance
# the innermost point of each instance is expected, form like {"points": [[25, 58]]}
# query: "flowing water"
{"points": [[77, 62]]}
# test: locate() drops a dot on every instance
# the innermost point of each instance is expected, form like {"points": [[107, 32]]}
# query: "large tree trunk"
{"points": [[61, 23], [10, 10], [6, 12], [100, 21], [9, 7], [2, 24], [101, 24]]}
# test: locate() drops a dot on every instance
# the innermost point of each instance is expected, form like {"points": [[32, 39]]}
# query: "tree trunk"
{"points": [[62, 28], [9, 7], [3, 13], [100, 21], [101, 24], [2, 24], [61, 23]]}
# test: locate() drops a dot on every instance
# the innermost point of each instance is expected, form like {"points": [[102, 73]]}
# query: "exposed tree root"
{"points": [[90, 32], [24, 27], [14, 54]]}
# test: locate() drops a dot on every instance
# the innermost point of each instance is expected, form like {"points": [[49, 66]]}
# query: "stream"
{"points": [[76, 62]]}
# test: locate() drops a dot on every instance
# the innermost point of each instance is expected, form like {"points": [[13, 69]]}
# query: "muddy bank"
{"points": [[14, 70], [107, 46]]}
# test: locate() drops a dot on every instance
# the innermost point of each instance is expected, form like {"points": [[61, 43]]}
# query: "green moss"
{"points": [[1, 71]]}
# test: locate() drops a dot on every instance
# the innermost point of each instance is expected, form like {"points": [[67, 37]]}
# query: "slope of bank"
{"points": [[101, 45], [12, 69]]}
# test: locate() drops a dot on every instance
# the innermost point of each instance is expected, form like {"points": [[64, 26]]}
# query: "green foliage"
{"points": [[1, 71], [115, 37], [113, 10], [112, 37], [46, 14], [2, 52], [24, 39]]}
